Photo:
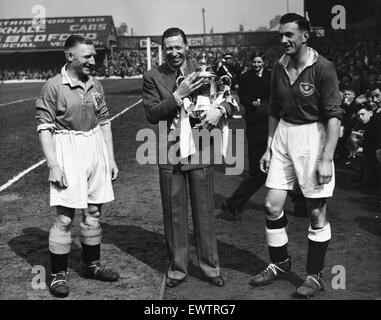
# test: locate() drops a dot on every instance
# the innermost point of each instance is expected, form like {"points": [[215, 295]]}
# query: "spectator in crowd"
{"points": [[349, 106], [254, 93], [372, 142]]}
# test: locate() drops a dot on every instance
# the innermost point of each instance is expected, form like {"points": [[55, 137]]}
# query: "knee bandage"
{"points": [[60, 236], [90, 229]]}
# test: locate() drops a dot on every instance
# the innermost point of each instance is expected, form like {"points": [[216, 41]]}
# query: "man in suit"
{"points": [[163, 101], [254, 92]]}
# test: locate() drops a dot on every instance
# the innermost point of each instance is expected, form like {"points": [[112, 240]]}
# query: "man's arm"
{"points": [[264, 163], [274, 117], [331, 102], [156, 108], [107, 135], [325, 168], [56, 175], [45, 116]]}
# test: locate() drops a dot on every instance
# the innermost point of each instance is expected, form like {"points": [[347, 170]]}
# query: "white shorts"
{"points": [[296, 150], [83, 157]]}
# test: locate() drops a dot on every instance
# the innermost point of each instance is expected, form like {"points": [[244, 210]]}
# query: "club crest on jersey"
{"points": [[97, 99], [306, 89]]}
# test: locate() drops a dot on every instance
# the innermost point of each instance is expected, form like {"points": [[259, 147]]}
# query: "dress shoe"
{"points": [[217, 281], [172, 283], [232, 215]]}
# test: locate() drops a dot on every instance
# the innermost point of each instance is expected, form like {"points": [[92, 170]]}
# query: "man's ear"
{"points": [[69, 55], [306, 36]]}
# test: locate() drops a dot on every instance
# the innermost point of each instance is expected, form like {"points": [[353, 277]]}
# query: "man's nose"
{"points": [[283, 39], [92, 60]]}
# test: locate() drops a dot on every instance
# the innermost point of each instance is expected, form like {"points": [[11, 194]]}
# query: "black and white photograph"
{"points": [[190, 155]]}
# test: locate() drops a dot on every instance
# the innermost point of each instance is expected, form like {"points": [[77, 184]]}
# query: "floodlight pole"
{"points": [[203, 18], [148, 53], [160, 56]]}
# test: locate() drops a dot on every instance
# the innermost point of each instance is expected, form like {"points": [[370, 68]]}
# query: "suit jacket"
{"points": [[251, 88], [160, 104]]}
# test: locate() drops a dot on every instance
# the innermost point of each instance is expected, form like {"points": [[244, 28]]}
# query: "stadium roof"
{"points": [[28, 35]]}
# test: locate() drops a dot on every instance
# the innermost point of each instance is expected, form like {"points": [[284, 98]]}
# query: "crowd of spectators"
{"points": [[357, 57], [19, 73]]}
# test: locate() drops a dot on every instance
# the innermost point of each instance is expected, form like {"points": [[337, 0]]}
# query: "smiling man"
{"points": [[76, 138], [304, 124], [163, 100]]}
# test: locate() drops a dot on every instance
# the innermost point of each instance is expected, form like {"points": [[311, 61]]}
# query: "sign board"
{"points": [[342, 14], [143, 43], [195, 41], [25, 35]]}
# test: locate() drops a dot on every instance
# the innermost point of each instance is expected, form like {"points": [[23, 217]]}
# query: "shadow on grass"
{"points": [[146, 246]]}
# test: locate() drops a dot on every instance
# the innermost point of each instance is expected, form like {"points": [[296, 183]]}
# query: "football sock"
{"points": [[277, 239], [318, 240]]}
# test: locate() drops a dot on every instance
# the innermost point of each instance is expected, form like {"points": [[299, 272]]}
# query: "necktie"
{"points": [[178, 74]]}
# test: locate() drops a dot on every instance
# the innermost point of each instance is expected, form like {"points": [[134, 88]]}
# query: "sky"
{"points": [[152, 17]]}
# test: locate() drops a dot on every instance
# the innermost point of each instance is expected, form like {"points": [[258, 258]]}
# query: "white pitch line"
{"points": [[16, 101], [20, 175], [25, 172], [125, 110]]}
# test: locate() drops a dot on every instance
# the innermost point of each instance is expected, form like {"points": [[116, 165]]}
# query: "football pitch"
{"points": [[133, 238]]}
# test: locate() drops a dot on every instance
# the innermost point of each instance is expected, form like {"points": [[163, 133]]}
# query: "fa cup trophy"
{"points": [[206, 97]]}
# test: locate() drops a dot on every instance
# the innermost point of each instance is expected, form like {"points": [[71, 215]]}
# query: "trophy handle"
{"points": [[179, 80], [226, 79]]}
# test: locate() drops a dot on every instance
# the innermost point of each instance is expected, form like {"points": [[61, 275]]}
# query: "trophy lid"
{"points": [[203, 72]]}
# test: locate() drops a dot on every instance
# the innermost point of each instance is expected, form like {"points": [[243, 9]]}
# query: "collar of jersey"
{"points": [[66, 79], [313, 56]]}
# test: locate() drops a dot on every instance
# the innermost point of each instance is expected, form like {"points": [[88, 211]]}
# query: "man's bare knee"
{"points": [[317, 212], [65, 211], [63, 222], [92, 215], [272, 210], [274, 203], [64, 217]]}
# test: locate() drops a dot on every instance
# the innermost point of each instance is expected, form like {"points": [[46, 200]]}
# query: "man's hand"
{"points": [[188, 85], [264, 163], [324, 171], [114, 170], [210, 118], [57, 177], [378, 155], [256, 103]]}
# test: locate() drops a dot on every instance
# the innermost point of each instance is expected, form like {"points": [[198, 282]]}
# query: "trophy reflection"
{"points": [[204, 98]]}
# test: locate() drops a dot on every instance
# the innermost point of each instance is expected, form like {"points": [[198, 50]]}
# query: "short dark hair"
{"points": [[301, 21], [75, 39], [366, 105], [374, 87], [257, 55], [173, 32]]}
